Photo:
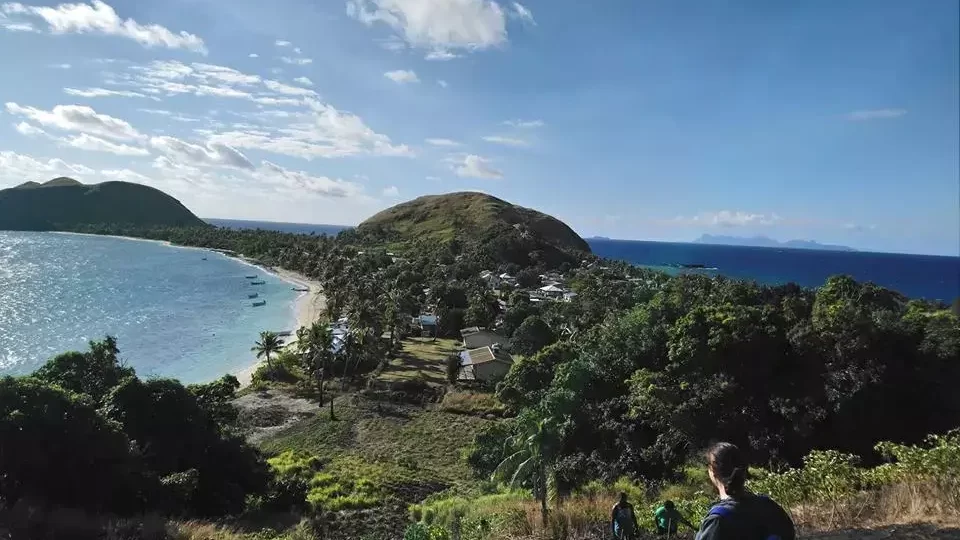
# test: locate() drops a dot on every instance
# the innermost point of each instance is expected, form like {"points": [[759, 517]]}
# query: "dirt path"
{"points": [[269, 411]]}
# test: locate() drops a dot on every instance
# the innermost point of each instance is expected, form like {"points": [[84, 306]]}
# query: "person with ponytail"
{"points": [[739, 514]]}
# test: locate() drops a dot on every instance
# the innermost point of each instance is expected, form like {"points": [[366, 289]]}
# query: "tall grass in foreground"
{"points": [[831, 490]]}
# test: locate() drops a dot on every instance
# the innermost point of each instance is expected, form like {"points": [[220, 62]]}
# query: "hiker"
{"points": [[622, 520], [739, 514], [667, 518]]}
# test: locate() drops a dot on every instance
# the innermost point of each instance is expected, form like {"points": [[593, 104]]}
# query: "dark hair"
{"points": [[623, 495], [669, 505], [728, 466]]}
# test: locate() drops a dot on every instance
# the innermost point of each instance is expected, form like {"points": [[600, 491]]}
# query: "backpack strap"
{"points": [[720, 510]]}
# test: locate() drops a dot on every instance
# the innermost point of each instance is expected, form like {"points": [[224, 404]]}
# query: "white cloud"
{"points": [[15, 26], [297, 50], [280, 102], [210, 73], [474, 166], [101, 92], [299, 181], [437, 24], [433, 178], [96, 144], [876, 114], [29, 130], [524, 124], [125, 175], [523, 13], [253, 55], [100, 18], [442, 142], [78, 118], [391, 191], [286, 89], [298, 61], [324, 133], [61, 66], [304, 81], [441, 55], [506, 141], [18, 168], [214, 154], [727, 218], [442, 83], [402, 76], [282, 43]]}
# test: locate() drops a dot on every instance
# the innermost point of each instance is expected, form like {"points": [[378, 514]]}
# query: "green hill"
{"points": [[468, 217], [65, 203]]}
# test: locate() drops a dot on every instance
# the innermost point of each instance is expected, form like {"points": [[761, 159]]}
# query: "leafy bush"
{"points": [[326, 491]]}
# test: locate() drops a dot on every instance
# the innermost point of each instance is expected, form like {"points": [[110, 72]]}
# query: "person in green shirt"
{"points": [[667, 519]]}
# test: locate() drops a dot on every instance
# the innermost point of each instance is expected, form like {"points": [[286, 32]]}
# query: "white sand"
{"points": [[310, 306]]}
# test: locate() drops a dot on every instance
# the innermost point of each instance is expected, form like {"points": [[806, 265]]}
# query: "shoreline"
{"points": [[308, 306]]}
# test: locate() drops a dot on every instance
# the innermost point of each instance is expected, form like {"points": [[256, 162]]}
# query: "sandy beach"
{"points": [[309, 307]]}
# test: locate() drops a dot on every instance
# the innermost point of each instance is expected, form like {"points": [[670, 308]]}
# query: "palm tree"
{"points": [[532, 461], [316, 352], [269, 344]]}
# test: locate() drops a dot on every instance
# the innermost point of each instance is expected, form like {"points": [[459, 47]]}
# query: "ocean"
{"points": [[916, 276], [174, 313]]}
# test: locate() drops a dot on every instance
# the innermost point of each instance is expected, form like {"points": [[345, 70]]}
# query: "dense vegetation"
{"points": [[777, 370], [63, 203], [84, 432]]}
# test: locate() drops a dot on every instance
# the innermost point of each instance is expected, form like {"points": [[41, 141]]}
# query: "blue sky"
{"points": [[660, 120]]}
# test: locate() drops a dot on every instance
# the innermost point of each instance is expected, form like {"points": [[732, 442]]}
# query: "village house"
{"points": [[427, 324], [474, 338], [484, 364]]}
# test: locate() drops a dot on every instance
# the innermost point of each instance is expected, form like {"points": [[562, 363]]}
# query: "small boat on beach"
{"points": [[260, 303], [257, 282], [253, 295]]}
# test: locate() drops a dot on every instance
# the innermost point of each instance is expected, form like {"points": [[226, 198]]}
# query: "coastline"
{"points": [[308, 307]]}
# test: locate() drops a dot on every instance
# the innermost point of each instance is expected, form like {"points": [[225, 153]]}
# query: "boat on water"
{"points": [[253, 295], [257, 282], [284, 333], [251, 277], [301, 289], [260, 303]]}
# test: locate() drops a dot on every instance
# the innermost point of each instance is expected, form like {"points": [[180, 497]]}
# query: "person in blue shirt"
{"points": [[739, 514]]}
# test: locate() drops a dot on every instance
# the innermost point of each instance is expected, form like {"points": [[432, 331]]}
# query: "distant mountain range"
{"points": [[763, 241]]}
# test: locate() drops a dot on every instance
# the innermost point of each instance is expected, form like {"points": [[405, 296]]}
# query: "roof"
{"points": [[428, 320], [464, 332], [551, 288], [484, 355]]}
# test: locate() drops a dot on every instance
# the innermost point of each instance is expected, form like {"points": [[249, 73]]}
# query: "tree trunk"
{"points": [[332, 416], [543, 497], [320, 384]]}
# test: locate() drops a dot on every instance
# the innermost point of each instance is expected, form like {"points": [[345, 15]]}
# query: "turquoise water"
{"points": [[174, 314]]}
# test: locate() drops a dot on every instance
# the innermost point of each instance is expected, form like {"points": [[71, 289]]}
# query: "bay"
{"points": [[177, 312]]}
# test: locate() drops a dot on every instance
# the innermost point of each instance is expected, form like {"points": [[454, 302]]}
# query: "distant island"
{"points": [[764, 241], [64, 203]]}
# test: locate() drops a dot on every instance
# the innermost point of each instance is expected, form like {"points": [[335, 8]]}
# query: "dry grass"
{"points": [[469, 402], [896, 504], [421, 358]]}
